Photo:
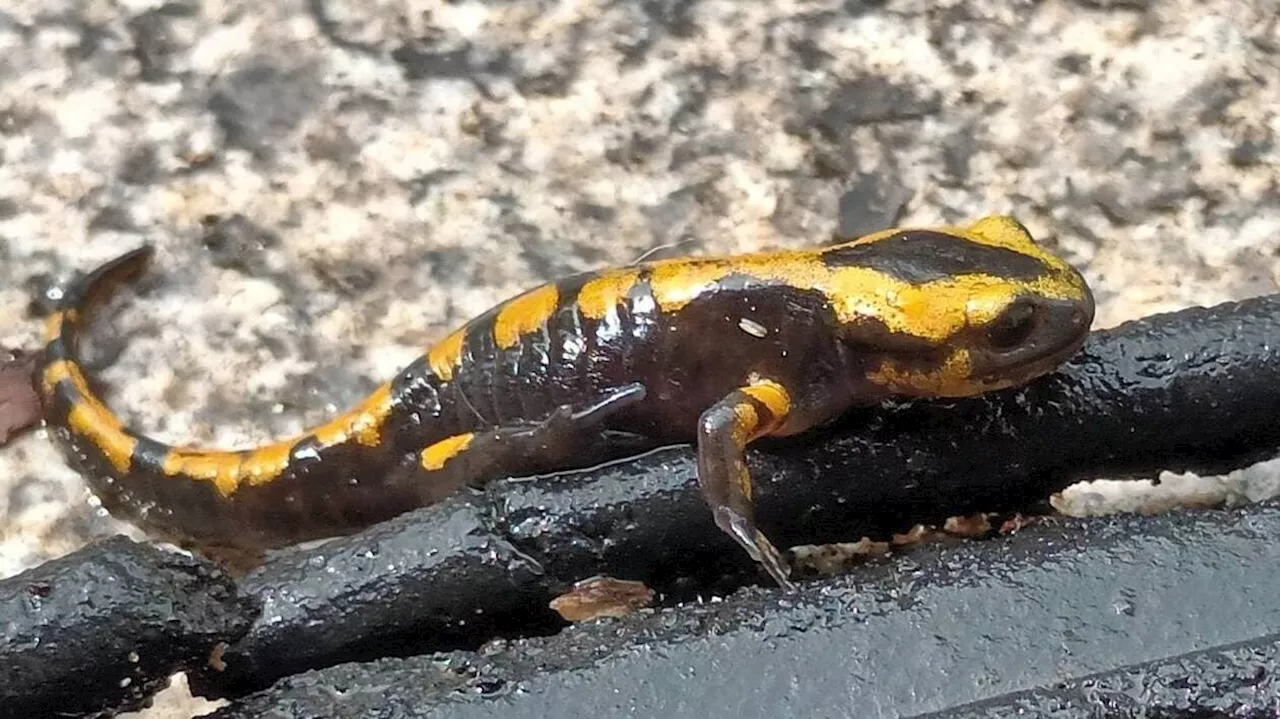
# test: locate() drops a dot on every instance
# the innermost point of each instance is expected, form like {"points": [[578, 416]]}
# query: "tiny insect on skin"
{"points": [[717, 351]]}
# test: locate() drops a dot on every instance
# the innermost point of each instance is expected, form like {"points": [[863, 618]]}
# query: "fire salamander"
{"points": [[715, 351]]}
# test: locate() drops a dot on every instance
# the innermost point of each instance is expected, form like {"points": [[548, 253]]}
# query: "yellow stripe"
{"points": [[89, 418], [444, 357], [773, 396], [363, 422], [53, 324], [435, 456], [950, 379], [221, 468], [524, 314], [745, 422], [932, 311], [227, 470], [600, 296]]}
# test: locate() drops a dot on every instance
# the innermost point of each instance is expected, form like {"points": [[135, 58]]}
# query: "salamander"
{"points": [[714, 351]]}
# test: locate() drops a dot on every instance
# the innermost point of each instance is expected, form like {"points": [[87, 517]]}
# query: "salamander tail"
{"points": [[93, 437]]}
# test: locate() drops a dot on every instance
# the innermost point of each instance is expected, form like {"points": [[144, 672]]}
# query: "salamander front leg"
{"points": [[724, 430]]}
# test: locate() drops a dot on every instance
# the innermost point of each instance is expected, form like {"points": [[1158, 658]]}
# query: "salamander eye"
{"points": [[1013, 326]]}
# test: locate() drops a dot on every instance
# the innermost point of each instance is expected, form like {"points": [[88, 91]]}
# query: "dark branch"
{"points": [[1193, 390], [102, 629]]}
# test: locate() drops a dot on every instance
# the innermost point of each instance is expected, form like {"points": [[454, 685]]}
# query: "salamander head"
{"points": [[959, 310]]}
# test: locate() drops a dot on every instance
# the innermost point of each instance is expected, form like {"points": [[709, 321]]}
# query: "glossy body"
{"points": [[718, 351]]}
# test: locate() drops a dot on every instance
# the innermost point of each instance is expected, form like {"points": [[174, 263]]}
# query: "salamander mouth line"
{"points": [[1031, 367]]}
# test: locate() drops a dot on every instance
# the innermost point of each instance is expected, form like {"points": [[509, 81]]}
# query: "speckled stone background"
{"points": [[332, 184]]}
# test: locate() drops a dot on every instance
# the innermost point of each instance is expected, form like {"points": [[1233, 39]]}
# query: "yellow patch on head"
{"points": [[1059, 281], [938, 310], [445, 355], [601, 295], [999, 231], [435, 456], [951, 379], [932, 311], [89, 418], [362, 422], [524, 314], [873, 237], [1004, 231], [993, 230]]}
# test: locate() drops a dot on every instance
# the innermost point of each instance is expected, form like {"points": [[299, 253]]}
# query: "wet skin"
{"points": [[714, 351]]}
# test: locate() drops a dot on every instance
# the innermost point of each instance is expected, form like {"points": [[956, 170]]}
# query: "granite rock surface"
{"points": [[334, 184]]}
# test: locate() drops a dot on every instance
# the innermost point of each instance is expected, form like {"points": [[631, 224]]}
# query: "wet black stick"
{"points": [[1193, 390], [1169, 616], [102, 629]]}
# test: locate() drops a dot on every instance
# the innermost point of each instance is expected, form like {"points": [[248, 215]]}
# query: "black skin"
{"points": [[574, 393]]}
